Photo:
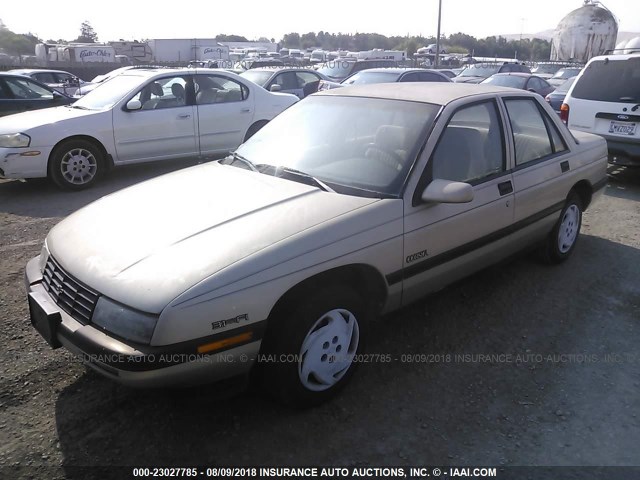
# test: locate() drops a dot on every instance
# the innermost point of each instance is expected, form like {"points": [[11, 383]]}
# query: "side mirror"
{"points": [[446, 191], [275, 88], [134, 104]]}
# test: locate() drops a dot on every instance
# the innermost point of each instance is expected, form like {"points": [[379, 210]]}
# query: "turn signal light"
{"points": [[227, 342]]}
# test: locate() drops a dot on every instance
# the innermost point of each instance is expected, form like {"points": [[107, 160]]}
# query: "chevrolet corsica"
{"points": [[272, 261], [141, 115]]}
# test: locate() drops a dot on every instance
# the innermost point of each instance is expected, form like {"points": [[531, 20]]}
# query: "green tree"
{"points": [[87, 33]]}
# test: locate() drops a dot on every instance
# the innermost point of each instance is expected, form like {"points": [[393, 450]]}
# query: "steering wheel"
{"points": [[389, 158]]}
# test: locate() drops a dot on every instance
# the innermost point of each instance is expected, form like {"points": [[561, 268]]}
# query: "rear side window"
{"points": [[534, 134], [610, 81]]}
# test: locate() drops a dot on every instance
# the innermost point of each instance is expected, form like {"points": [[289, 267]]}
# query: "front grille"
{"points": [[69, 294]]}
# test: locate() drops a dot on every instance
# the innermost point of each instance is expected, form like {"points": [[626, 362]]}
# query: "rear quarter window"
{"points": [[615, 81]]}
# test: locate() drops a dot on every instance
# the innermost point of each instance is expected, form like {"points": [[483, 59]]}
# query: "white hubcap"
{"points": [[328, 350], [78, 166], [569, 228]]}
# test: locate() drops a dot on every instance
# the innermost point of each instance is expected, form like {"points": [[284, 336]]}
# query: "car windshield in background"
{"points": [[361, 146], [363, 77], [337, 68], [545, 68], [256, 76], [610, 81], [565, 73], [512, 81], [109, 93], [480, 71]]}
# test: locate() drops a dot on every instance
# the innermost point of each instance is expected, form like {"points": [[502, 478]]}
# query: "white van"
{"points": [[605, 100]]}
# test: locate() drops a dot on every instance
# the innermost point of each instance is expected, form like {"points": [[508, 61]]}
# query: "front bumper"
{"points": [[133, 364], [30, 162]]}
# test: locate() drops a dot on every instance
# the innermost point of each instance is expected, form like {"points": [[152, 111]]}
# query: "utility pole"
{"points": [[437, 58]]}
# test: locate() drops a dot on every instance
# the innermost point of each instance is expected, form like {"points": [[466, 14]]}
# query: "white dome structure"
{"points": [[584, 33]]}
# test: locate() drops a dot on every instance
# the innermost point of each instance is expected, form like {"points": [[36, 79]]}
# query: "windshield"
{"points": [[512, 81], [565, 73], [357, 145], [480, 71], [564, 88], [337, 69], [364, 77], [546, 68], [109, 92], [255, 76], [610, 81]]}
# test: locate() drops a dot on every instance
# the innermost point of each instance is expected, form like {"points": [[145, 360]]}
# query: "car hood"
{"points": [[145, 245], [23, 122]]}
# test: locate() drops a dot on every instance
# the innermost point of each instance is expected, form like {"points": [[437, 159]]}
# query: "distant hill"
{"points": [[548, 34]]}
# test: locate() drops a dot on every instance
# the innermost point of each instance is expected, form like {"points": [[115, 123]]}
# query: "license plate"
{"points": [[45, 317], [622, 128]]}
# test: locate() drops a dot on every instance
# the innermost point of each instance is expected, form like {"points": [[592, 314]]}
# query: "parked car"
{"points": [[523, 81], [59, 80], [19, 94], [563, 75], [100, 79], [138, 116], [387, 75], [352, 203], [297, 81], [476, 73], [556, 98], [605, 100], [340, 68]]}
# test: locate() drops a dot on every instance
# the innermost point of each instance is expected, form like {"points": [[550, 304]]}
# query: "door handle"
{"points": [[505, 187], [245, 110], [184, 115]]}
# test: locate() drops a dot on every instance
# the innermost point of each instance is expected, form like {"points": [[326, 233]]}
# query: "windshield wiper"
{"points": [[234, 156], [314, 181]]}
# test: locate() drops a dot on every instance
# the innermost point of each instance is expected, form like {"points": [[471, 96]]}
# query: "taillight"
{"points": [[564, 113]]}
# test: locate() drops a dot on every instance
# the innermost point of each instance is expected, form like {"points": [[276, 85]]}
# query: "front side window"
{"points": [[27, 90], [165, 92], [471, 148], [218, 89], [534, 134]]}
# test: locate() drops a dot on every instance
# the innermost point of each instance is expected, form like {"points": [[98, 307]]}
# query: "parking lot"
{"points": [[521, 364]]}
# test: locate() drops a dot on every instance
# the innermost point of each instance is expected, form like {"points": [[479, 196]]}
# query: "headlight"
{"points": [[124, 321], [44, 257], [15, 140]]}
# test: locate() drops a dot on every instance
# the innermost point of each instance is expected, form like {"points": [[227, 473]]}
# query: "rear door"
{"points": [[604, 99], [443, 242], [225, 112], [541, 160], [165, 125]]}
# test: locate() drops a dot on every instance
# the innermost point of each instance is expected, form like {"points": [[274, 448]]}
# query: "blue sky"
{"points": [[129, 20]]}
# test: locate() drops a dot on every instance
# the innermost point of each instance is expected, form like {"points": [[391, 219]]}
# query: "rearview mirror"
{"points": [[275, 88], [134, 104], [446, 191]]}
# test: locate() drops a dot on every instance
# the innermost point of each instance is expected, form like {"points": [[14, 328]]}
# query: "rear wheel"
{"points": [[562, 240], [76, 164], [312, 348]]}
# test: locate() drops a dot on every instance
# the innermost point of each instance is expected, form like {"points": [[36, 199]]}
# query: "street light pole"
{"points": [[437, 58]]}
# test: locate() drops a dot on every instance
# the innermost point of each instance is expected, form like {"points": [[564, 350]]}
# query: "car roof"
{"points": [[397, 70], [515, 74], [439, 93], [616, 56], [23, 71], [277, 69]]}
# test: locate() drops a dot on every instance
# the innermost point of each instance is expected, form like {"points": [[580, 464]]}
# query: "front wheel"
{"points": [[562, 239], [76, 164], [312, 349]]}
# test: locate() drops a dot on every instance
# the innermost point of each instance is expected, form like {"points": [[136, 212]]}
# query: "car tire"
{"points": [[253, 129], [562, 240], [310, 351], [76, 164]]}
